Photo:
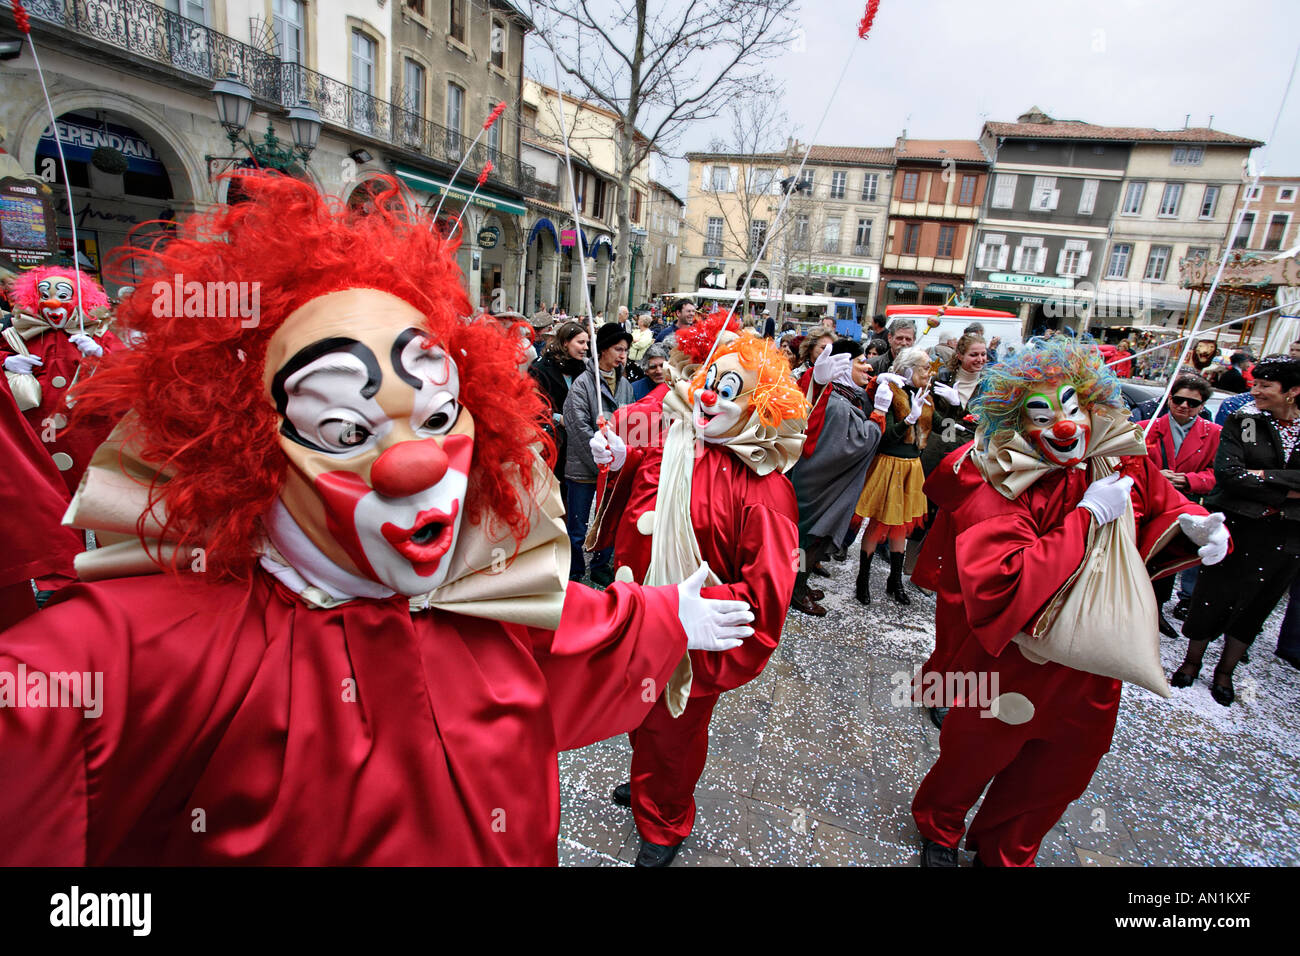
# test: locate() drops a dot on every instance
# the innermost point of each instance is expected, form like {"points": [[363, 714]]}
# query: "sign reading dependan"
{"points": [[864, 272]]}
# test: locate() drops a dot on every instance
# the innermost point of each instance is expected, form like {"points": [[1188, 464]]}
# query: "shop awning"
{"points": [[901, 285], [544, 225], [430, 184], [939, 288]]}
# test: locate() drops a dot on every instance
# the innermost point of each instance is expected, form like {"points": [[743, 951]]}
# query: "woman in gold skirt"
{"points": [[892, 500]]}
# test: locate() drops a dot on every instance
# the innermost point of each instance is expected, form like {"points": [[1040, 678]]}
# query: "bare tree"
{"points": [[757, 144], [659, 70]]}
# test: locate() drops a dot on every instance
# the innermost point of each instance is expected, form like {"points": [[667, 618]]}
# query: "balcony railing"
{"points": [[831, 248], [713, 248], [861, 250], [144, 29]]}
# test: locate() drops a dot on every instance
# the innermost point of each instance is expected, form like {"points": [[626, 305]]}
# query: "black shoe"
{"points": [[652, 854], [1223, 694], [804, 603], [602, 577], [1292, 659], [1166, 628], [840, 554], [818, 570], [1181, 608], [1184, 676], [862, 590], [936, 854], [816, 593], [937, 714], [622, 795]]}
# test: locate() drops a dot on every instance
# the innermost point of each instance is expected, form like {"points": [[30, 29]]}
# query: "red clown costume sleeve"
{"points": [[607, 661], [1013, 561]]}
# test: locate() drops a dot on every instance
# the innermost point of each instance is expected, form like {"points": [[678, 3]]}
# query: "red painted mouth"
{"points": [[425, 542], [55, 317]]}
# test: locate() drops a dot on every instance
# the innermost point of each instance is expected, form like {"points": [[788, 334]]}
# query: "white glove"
{"points": [[947, 393], [609, 450], [829, 367], [885, 394], [86, 345], [22, 364], [919, 401], [1106, 498], [711, 625], [1209, 534]]}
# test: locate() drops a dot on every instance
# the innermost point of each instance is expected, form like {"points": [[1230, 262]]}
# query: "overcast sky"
{"points": [[940, 68]]}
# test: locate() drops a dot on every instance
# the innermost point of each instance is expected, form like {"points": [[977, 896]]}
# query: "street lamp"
{"points": [[234, 103]]}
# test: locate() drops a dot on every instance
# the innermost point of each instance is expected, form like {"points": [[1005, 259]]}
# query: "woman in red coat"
{"points": [[1183, 444]]}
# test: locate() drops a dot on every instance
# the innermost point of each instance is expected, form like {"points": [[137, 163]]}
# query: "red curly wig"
{"points": [[696, 340], [27, 298], [195, 386]]}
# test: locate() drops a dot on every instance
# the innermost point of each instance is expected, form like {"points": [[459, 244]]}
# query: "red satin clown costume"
{"points": [[995, 562], [744, 518], [363, 651], [70, 343]]}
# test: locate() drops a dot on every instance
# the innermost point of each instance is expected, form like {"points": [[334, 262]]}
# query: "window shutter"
{"points": [[1002, 256], [1060, 262], [1015, 262], [1056, 199], [704, 185], [1041, 260], [734, 178], [1085, 261]]}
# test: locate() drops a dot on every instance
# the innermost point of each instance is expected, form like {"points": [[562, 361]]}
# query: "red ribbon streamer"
{"points": [[868, 17], [496, 112], [21, 18]]}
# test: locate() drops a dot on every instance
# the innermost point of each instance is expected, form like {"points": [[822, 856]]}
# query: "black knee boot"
{"points": [[894, 586], [863, 588]]}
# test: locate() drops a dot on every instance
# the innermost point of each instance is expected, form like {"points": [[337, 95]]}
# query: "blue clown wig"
{"points": [[1042, 362]]}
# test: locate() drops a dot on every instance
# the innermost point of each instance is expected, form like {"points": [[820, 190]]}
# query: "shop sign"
{"points": [[488, 237]]}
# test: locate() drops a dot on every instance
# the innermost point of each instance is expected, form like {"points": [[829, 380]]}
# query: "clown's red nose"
{"points": [[709, 397], [1064, 429], [408, 468]]}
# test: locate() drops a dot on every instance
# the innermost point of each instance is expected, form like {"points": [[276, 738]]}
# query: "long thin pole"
{"points": [[1223, 258]]}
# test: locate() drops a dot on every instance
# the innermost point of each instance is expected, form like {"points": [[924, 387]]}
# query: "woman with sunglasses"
{"points": [[1184, 444], [1257, 472]]}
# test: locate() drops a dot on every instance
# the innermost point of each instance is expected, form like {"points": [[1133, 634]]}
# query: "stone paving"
{"points": [[811, 763]]}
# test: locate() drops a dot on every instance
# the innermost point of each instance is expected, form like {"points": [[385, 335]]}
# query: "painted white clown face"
{"points": [[1056, 425], [721, 405], [378, 443], [58, 300]]}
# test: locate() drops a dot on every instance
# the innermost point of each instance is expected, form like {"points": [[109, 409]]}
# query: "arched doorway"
{"points": [[541, 265], [118, 181]]}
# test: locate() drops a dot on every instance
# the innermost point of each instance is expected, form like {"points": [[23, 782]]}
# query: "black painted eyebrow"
{"points": [[304, 357], [399, 346]]}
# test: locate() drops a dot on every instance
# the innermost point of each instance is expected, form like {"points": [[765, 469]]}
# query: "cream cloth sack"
{"points": [[1104, 620], [26, 389], [674, 552]]}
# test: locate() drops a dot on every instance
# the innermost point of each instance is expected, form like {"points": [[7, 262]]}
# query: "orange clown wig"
{"points": [[776, 397], [195, 385]]}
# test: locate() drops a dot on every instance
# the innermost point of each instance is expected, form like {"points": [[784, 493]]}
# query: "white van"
{"points": [[954, 320]]}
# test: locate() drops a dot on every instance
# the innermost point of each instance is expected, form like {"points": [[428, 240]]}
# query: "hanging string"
{"points": [[1227, 250], [864, 27], [23, 22]]}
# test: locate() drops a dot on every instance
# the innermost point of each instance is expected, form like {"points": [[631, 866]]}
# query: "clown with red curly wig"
{"points": [[699, 474], [330, 605], [60, 334]]}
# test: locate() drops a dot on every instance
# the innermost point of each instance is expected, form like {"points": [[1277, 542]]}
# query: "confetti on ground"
{"points": [[813, 764]]}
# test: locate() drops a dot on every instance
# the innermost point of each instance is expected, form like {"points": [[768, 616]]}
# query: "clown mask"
{"points": [[720, 408], [58, 300], [1056, 425], [379, 446]]}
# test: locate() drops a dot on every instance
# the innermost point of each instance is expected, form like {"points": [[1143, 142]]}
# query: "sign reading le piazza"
{"points": [[1016, 278]]}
